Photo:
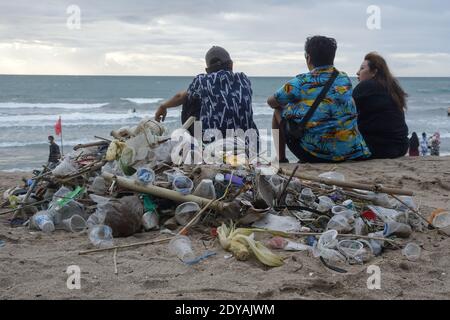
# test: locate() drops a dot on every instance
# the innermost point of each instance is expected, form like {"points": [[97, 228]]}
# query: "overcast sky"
{"points": [[264, 37]]}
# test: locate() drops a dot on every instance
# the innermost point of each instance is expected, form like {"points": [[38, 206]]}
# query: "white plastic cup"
{"points": [[442, 222], [74, 224], [412, 251], [101, 236], [183, 185], [185, 212], [307, 196], [181, 247], [205, 189]]}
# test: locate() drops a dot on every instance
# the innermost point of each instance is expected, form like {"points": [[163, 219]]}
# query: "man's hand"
{"points": [[161, 114]]}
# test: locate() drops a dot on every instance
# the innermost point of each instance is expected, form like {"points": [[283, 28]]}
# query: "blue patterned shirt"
{"points": [[226, 100], [332, 132]]}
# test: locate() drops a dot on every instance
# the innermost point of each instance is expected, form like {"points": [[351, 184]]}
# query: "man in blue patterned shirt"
{"points": [[331, 134], [221, 99]]}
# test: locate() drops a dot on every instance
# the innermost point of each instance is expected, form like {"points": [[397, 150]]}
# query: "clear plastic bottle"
{"points": [[43, 221]]}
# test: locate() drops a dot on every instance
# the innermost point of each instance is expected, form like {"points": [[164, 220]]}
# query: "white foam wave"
{"points": [[78, 118], [14, 170], [15, 144], [70, 106], [142, 100]]}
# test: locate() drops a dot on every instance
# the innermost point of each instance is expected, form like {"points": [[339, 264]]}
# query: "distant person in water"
{"points": [[435, 144], [331, 133], [54, 154], [381, 104], [221, 99], [414, 145], [424, 145]]}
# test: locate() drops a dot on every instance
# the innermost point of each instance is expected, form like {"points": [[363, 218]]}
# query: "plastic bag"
{"points": [[325, 247], [340, 224], [98, 217], [278, 223], [65, 168]]}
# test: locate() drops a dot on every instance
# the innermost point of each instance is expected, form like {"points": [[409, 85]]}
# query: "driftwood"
{"points": [[92, 144], [133, 245], [164, 193], [352, 185]]}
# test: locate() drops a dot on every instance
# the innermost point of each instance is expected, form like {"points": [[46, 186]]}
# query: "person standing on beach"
{"points": [[381, 104], [435, 144], [220, 99], [331, 133], [55, 154], [424, 145], [414, 145]]}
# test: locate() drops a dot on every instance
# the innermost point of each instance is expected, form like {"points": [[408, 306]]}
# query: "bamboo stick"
{"points": [[352, 185], [162, 192], [132, 245], [92, 144]]}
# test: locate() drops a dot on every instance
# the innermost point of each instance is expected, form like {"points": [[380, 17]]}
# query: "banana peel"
{"points": [[241, 242]]}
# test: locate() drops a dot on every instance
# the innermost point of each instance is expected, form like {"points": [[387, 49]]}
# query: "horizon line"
{"points": [[169, 76]]}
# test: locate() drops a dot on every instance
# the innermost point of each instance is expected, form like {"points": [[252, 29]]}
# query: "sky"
{"points": [[264, 37]]}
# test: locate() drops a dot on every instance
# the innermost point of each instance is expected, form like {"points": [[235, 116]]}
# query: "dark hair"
{"points": [[321, 50], [385, 78], [217, 65], [414, 141], [51, 138]]}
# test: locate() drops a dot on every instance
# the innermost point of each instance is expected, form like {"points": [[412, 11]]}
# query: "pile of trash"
{"points": [[133, 183]]}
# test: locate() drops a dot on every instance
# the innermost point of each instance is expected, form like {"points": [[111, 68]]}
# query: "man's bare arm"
{"points": [[273, 103], [176, 101]]}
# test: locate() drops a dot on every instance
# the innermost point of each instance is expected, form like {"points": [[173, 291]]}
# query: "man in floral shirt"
{"points": [[331, 135]]}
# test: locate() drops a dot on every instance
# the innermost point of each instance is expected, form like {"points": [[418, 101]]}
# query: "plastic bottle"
{"points": [[101, 236], [205, 189], [400, 230], [43, 221]]}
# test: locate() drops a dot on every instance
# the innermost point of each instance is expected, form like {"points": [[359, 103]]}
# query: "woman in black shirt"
{"points": [[381, 105]]}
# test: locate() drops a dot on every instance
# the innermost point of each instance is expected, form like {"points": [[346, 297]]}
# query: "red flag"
{"points": [[58, 127]]}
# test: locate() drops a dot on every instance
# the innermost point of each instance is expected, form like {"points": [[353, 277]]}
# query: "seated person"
{"points": [[220, 99], [381, 105], [331, 134]]}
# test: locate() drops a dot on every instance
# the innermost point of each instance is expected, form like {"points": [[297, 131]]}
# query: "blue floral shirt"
{"points": [[332, 132], [226, 100]]}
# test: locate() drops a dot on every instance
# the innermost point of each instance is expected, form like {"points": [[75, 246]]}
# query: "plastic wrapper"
{"points": [[65, 168]]}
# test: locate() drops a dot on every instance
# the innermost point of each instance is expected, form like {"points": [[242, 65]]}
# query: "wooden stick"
{"points": [[26, 206], [92, 144], [195, 218], [287, 184], [374, 187], [413, 210], [27, 196], [115, 261], [104, 139], [138, 244], [306, 234]]}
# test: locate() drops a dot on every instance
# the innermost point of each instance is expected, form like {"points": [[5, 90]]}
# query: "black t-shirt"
{"points": [[380, 120]]}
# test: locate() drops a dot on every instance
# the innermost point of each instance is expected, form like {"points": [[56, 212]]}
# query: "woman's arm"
{"points": [[176, 101]]}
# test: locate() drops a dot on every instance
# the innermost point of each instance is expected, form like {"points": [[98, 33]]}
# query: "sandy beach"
{"points": [[33, 265]]}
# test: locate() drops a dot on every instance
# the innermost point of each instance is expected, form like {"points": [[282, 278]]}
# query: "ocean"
{"points": [[95, 105]]}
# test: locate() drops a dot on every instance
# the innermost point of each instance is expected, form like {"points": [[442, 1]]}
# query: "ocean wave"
{"points": [[18, 144], [14, 170], [71, 106], [142, 100]]}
